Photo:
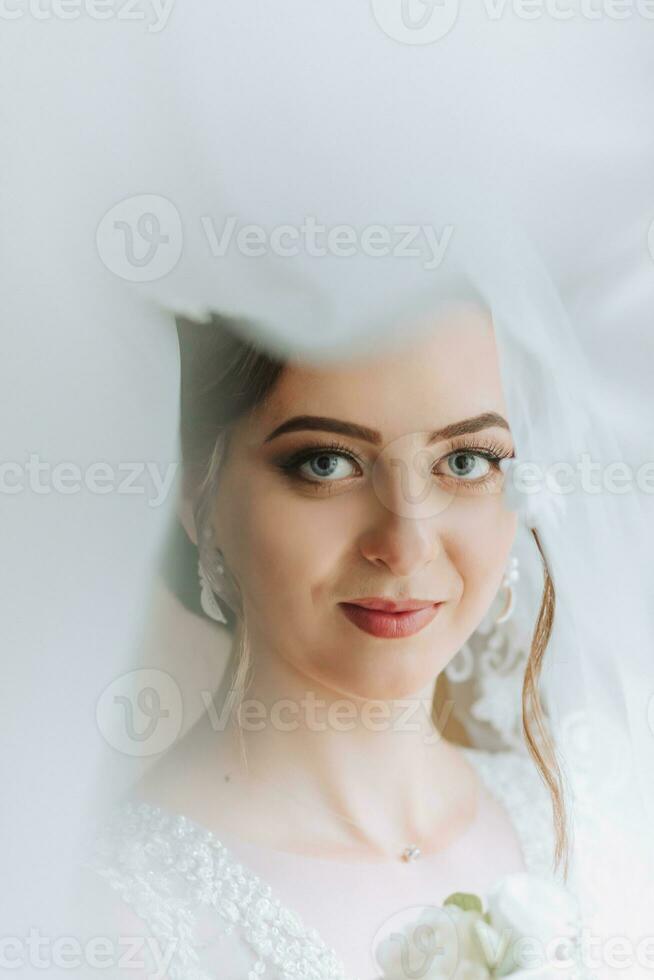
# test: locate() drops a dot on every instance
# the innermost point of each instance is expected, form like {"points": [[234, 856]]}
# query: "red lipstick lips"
{"points": [[388, 619]]}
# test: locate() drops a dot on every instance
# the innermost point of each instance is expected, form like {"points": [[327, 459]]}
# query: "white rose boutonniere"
{"points": [[529, 931]]}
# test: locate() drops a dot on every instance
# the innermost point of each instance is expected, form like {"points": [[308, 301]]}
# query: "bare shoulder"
{"points": [[193, 779]]}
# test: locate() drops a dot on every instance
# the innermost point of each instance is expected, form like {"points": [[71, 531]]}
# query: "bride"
{"points": [[353, 532]]}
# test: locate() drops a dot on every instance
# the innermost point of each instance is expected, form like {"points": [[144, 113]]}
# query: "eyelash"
{"points": [[491, 451]]}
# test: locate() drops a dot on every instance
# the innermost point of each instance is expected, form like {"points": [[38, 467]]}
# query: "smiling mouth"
{"points": [[387, 619]]}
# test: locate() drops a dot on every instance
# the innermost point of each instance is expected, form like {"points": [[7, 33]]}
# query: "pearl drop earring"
{"points": [[208, 599], [510, 579]]}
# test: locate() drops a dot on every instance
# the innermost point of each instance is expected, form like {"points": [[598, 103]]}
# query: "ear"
{"points": [[185, 515]]}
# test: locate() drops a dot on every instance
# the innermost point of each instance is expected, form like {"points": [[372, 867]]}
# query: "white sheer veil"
{"points": [[245, 114], [572, 481]]}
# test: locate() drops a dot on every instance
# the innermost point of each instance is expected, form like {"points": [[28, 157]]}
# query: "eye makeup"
{"points": [[492, 451]]}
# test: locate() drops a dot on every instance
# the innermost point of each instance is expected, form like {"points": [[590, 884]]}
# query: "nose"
{"points": [[403, 544]]}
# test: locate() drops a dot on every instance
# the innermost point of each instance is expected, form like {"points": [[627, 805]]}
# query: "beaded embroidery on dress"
{"points": [[197, 899]]}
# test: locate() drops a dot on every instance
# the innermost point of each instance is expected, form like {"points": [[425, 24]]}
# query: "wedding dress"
{"points": [[232, 910]]}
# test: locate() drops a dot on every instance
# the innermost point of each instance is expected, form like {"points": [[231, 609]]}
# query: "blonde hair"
{"points": [[537, 736]]}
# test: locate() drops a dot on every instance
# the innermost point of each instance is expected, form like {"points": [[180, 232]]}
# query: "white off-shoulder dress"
{"points": [[216, 908]]}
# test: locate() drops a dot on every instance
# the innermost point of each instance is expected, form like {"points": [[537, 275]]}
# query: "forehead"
{"points": [[439, 373]]}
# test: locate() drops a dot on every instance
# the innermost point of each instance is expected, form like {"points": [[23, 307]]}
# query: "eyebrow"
{"points": [[319, 423]]}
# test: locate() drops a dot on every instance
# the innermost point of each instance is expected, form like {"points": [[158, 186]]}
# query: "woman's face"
{"points": [[340, 488]]}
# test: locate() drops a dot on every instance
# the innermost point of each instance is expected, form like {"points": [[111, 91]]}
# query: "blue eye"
{"points": [[464, 465], [327, 466], [321, 464]]}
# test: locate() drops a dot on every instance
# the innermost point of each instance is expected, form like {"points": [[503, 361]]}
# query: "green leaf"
{"points": [[465, 901]]}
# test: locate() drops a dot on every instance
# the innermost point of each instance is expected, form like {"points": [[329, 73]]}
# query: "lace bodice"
{"points": [[197, 898]]}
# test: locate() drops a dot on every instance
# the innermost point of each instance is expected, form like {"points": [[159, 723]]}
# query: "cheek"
{"points": [[482, 534], [282, 547]]}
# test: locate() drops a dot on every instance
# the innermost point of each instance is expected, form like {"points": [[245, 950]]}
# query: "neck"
{"points": [[383, 766]]}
